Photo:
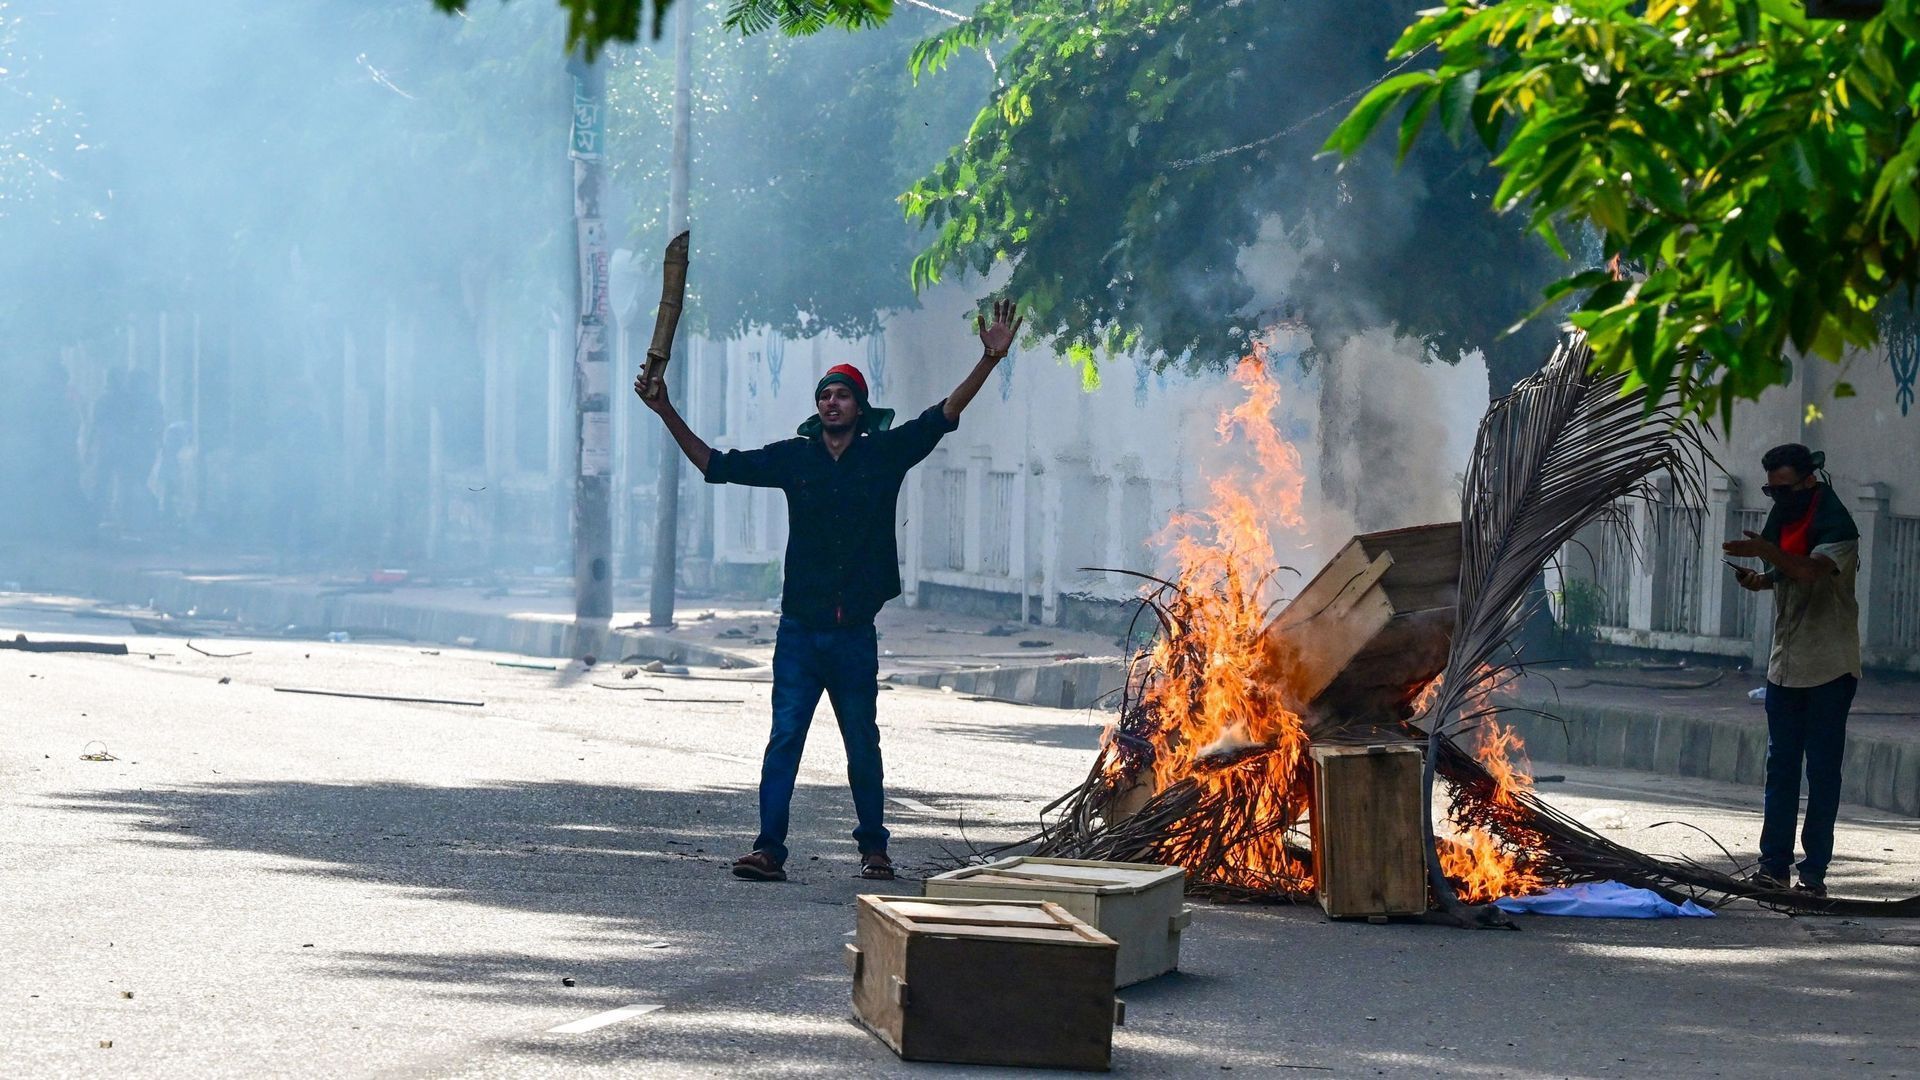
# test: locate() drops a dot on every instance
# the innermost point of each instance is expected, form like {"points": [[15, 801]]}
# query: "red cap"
{"points": [[852, 374]]}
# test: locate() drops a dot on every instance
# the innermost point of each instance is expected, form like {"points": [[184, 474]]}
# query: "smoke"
{"points": [[1391, 424], [1396, 429]]}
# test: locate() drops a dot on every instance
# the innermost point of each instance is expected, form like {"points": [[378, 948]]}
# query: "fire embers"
{"points": [[1207, 765], [1492, 856], [1206, 717]]}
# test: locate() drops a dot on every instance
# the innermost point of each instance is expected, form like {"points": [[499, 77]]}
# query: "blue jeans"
{"points": [[1806, 725], [845, 663]]}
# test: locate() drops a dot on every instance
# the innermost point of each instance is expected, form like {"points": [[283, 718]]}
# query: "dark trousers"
{"points": [[845, 664], [1806, 726]]}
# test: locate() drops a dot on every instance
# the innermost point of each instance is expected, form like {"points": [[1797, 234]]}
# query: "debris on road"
{"points": [[21, 644], [1610, 818], [566, 982], [216, 655], [88, 753], [641, 686], [379, 697], [526, 666]]}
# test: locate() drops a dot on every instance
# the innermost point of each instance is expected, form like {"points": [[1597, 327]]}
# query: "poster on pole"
{"points": [[596, 444], [589, 124]]}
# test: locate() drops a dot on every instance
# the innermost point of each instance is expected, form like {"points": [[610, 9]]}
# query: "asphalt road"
{"points": [[270, 884]]}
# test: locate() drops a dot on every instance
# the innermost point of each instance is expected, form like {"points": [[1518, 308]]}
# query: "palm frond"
{"points": [[1552, 456]]}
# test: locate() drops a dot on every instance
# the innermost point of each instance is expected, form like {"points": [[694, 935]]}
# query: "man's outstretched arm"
{"points": [[692, 445], [995, 341], [1786, 564]]}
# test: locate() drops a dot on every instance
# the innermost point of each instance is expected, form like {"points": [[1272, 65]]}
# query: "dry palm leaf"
{"points": [[1551, 457]]}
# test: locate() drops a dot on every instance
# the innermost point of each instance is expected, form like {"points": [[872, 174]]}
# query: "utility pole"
{"points": [[592, 485], [666, 528]]}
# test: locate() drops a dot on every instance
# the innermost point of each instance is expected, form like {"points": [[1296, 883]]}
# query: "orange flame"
{"points": [[1205, 683], [1209, 683], [1484, 869], [1497, 748]]}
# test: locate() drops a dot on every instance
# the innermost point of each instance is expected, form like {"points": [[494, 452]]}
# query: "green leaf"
{"points": [[1456, 105], [1418, 109], [1353, 131]]}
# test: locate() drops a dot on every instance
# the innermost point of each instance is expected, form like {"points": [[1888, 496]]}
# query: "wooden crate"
{"points": [[1369, 852], [1373, 624], [984, 982], [1142, 906]]}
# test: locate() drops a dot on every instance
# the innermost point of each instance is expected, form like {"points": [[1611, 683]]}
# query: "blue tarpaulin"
{"points": [[1603, 900]]}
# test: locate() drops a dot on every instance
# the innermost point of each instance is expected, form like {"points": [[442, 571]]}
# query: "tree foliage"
{"points": [[800, 149], [1757, 168], [1146, 170], [594, 24]]}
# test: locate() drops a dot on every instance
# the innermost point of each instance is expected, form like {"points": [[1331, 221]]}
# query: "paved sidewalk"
{"points": [[1657, 721], [1701, 723], [528, 615]]}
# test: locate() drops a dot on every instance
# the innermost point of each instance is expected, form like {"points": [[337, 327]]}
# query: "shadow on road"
{"points": [[752, 980]]}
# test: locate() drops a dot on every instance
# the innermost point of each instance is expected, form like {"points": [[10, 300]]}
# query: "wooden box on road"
{"points": [[1369, 852], [983, 982], [1141, 906]]}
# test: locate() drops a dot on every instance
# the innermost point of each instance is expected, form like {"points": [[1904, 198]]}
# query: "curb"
{"points": [[1876, 772], [1066, 684], [263, 603]]}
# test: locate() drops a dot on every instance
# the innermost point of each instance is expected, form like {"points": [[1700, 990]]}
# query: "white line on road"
{"points": [[600, 1020], [914, 805], [735, 758]]}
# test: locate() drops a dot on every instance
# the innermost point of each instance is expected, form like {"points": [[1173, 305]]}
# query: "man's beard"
{"points": [[837, 429]]}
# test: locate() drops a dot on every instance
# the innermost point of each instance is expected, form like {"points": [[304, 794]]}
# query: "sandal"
{"points": [[758, 866], [875, 866]]}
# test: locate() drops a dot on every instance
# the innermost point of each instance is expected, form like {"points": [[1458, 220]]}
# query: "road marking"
{"points": [[734, 758], [600, 1020], [914, 805]]}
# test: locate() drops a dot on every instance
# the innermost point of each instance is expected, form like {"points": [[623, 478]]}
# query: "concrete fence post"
{"points": [[1870, 514], [1719, 614]]}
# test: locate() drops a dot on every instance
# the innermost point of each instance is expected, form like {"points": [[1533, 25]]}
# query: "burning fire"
{"points": [[1496, 749], [1218, 721], [1483, 866], [1483, 869]]}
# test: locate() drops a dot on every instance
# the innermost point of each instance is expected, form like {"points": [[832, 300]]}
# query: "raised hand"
{"points": [[652, 393], [1753, 547], [998, 338]]}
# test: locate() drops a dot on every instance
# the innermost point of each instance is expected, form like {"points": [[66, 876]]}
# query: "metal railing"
{"points": [[1746, 603], [997, 547], [947, 520], [1676, 566], [1900, 571], [1613, 569]]}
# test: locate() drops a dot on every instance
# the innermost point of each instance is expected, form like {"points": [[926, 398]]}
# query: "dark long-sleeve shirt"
{"points": [[843, 562]]}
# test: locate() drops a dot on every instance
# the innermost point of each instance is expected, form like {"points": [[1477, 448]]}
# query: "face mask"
{"points": [[1792, 502]]}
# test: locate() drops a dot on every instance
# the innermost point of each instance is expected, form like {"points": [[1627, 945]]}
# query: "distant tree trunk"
{"points": [[666, 529]]}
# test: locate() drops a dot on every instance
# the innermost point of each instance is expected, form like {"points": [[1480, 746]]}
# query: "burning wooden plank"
{"points": [[1372, 626]]}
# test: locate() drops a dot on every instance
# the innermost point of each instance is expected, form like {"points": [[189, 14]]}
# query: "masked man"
{"points": [[842, 479], [1811, 549]]}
